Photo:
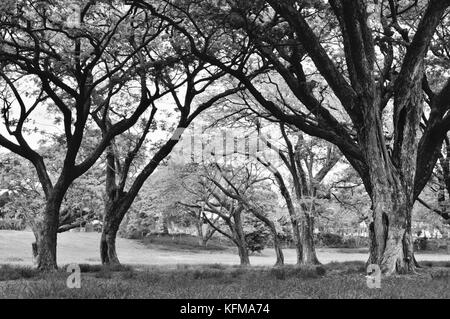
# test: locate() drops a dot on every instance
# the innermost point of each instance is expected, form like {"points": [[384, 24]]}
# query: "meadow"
{"points": [[159, 268]]}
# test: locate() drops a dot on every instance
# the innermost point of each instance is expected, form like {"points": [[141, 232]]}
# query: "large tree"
{"points": [[68, 59], [369, 61]]}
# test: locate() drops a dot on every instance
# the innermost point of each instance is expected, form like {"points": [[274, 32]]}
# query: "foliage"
{"points": [[330, 239], [257, 235]]}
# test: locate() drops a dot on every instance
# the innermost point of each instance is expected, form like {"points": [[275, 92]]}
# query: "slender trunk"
{"points": [[165, 226], [112, 214], [201, 238], [278, 250], [296, 234], [276, 240], [240, 240]]}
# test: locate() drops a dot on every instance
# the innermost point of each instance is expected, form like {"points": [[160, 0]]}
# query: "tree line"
{"points": [[370, 78]]}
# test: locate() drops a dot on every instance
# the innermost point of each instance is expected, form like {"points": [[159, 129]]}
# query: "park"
{"points": [[225, 149]]}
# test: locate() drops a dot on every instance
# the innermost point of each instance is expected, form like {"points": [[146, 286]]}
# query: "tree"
{"points": [[362, 81], [77, 65], [239, 190], [198, 82]]}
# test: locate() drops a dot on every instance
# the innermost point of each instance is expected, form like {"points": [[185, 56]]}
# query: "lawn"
{"points": [[173, 268], [83, 248], [335, 280]]}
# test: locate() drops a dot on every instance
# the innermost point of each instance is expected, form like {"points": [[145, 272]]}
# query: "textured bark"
{"points": [[201, 239], [240, 239], [308, 256], [278, 250], [112, 214], [46, 232], [273, 230], [108, 252]]}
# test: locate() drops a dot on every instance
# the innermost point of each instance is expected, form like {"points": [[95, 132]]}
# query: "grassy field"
{"points": [[335, 280], [83, 248], [163, 268]]}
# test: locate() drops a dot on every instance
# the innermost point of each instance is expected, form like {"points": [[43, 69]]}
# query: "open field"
{"points": [[83, 248], [162, 271], [336, 280]]}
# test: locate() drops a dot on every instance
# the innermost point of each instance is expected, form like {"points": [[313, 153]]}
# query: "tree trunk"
{"points": [[165, 226], [46, 232], [392, 249], [201, 239], [243, 254], [276, 241], [240, 239], [108, 252], [278, 250], [308, 256]]}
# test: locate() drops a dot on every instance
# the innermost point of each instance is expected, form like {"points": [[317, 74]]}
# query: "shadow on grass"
{"points": [[182, 242]]}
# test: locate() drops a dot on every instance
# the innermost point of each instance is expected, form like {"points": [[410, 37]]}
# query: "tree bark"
{"points": [[240, 239], [278, 250], [108, 252], [308, 256], [201, 239], [276, 241], [46, 232]]}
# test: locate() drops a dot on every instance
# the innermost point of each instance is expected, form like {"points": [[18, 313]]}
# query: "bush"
{"points": [[355, 242], [256, 241], [12, 224], [8, 272], [330, 240], [430, 244]]}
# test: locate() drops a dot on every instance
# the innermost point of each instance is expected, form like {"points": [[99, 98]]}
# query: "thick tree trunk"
{"points": [[243, 254], [46, 231], [392, 247], [108, 252], [308, 256]]}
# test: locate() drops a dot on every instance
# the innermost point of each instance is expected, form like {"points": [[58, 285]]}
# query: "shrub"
{"points": [[330, 240], [12, 224], [429, 244], [14, 273]]}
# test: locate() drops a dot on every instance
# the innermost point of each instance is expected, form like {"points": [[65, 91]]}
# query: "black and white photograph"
{"points": [[229, 155]]}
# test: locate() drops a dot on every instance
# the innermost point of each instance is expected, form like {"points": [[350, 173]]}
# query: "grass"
{"points": [[180, 242], [335, 280]]}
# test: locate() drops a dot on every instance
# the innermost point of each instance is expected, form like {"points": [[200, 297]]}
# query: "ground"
{"points": [[83, 248], [154, 270]]}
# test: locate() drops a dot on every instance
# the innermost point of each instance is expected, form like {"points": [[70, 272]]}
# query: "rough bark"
{"points": [[278, 250], [46, 232], [108, 252], [273, 230], [308, 256], [201, 239], [240, 239], [112, 214]]}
